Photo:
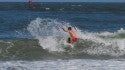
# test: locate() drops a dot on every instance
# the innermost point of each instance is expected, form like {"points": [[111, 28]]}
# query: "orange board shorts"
{"points": [[73, 40]]}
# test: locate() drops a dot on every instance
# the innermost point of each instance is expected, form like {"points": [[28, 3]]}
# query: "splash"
{"points": [[49, 33]]}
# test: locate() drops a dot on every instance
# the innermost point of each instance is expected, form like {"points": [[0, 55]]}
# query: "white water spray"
{"points": [[49, 33]]}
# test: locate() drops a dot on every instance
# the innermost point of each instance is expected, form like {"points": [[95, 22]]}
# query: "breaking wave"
{"points": [[50, 42], [52, 38]]}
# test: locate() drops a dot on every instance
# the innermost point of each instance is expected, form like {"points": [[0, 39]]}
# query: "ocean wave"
{"points": [[52, 38]]}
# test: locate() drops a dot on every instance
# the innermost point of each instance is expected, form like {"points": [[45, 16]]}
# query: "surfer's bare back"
{"points": [[72, 37]]}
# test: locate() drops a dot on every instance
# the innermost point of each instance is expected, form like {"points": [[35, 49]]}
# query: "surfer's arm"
{"points": [[65, 30]]}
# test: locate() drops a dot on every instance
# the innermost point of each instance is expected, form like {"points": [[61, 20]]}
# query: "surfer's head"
{"points": [[69, 28]]}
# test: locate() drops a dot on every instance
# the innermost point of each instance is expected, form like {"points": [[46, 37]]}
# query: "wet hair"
{"points": [[69, 28]]}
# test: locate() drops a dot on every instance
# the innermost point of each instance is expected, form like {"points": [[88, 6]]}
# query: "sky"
{"points": [[63, 0]]}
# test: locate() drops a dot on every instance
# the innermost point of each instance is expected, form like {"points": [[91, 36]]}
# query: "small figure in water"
{"points": [[72, 37], [30, 4]]}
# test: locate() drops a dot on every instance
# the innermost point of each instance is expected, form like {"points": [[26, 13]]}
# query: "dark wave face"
{"points": [[22, 49], [71, 7]]}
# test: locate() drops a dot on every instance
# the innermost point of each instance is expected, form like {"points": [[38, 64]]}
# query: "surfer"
{"points": [[72, 37], [30, 4]]}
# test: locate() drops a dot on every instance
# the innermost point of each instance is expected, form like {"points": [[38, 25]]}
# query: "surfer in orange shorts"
{"points": [[72, 37]]}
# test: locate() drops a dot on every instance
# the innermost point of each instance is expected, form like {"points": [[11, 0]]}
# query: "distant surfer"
{"points": [[72, 37], [30, 4]]}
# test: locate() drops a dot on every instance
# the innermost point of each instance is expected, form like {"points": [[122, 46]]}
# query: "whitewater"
{"points": [[82, 64]]}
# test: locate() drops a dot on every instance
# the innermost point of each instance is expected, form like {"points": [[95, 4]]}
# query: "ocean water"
{"points": [[31, 39]]}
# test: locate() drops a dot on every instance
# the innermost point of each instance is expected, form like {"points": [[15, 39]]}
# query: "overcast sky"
{"points": [[63, 0]]}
